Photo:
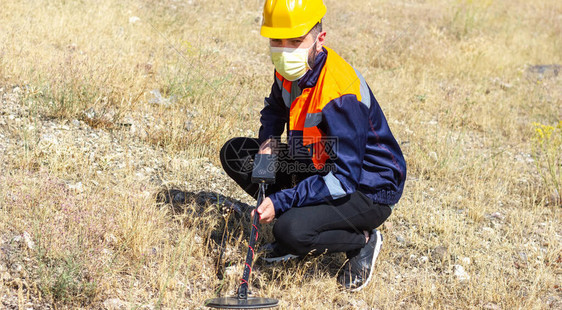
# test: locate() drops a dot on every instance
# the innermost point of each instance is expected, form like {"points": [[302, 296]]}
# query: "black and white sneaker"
{"points": [[357, 271], [276, 253]]}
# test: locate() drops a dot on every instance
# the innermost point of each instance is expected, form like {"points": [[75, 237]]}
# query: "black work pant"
{"points": [[332, 226]]}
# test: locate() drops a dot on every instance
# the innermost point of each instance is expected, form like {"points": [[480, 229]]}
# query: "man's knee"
{"points": [[293, 235], [236, 153], [230, 147]]}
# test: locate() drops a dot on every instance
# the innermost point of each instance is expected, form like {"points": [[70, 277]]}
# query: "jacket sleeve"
{"points": [[345, 120], [274, 115]]}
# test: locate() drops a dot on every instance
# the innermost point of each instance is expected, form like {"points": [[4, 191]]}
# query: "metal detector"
{"points": [[262, 174]]}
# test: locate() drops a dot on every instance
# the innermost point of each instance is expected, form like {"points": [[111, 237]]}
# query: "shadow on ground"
{"points": [[179, 199], [236, 226], [235, 222]]}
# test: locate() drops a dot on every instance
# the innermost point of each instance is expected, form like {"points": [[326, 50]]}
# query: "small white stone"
{"points": [[107, 252], [231, 270], [491, 306], [115, 304], [134, 19], [111, 239], [76, 187], [488, 230], [460, 273], [28, 241], [17, 268], [433, 155], [49, 138]]}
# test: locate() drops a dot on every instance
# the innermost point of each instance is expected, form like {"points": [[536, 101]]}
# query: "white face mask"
{"points": [[291, 63]]}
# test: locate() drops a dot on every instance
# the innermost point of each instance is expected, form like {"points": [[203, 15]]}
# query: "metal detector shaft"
{"points": [[243, 289]]}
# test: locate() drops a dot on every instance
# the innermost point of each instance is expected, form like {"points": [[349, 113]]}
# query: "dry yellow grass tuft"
{"points": [[113, 113]]}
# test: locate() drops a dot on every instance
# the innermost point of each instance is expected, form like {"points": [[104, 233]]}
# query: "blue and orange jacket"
{"points": [[334, 120]]}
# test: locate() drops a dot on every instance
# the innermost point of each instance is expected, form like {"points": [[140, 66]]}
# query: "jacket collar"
{"points": [[310, 78]]}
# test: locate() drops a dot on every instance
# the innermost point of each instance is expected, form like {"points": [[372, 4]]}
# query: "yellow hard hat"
{"points": [[284, 19]]}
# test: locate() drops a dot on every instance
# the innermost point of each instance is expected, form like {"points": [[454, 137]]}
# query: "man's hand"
{"points": [[266, 211], [268, 146]]}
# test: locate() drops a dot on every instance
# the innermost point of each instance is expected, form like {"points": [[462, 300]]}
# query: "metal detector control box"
{"points": [[265, 166]]}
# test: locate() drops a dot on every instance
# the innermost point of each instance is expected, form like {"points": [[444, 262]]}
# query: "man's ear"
{"points": [[321, 40]]}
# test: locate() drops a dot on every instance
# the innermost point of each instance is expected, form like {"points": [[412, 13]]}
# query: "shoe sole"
{"points": [[280, 258], [375, 254]]}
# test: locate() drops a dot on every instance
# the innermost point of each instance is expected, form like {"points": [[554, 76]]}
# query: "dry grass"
{"points": [[87, 146]]}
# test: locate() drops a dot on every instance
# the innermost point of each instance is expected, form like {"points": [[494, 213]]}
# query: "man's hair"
{"points": [[316, 29]]}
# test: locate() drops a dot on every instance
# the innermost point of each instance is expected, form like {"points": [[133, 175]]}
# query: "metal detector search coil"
{"points": [[236, 303]]}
